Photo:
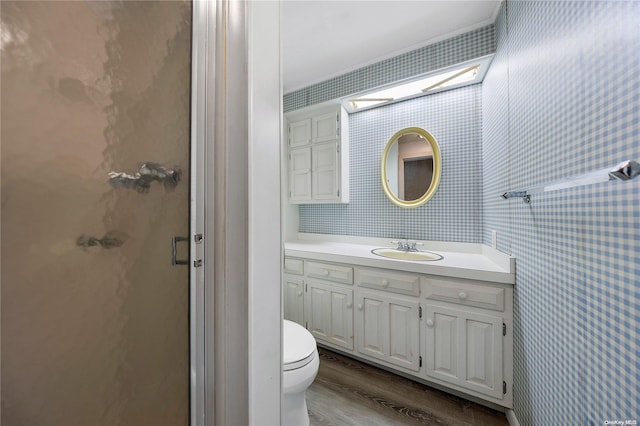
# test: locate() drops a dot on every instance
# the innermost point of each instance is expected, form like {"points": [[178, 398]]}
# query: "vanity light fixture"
{"points": [[459, 75]]}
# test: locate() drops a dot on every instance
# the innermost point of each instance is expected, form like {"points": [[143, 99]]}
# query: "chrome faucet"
{"points": [[406, 245]]}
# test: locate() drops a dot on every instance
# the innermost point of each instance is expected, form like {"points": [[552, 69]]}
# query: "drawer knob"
{"points": [[462, 295], [299, 292], [359, 306], [349, 305], [429, 323], [385, 283]]}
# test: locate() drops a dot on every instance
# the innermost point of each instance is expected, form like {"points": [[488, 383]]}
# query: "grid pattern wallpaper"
{"points": [[562, 98], [445, 53], [455, 211]]}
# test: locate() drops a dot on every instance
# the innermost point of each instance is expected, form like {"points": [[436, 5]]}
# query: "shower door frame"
{"points": [[202, 131]]}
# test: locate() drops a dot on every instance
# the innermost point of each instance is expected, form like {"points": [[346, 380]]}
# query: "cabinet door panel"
{"points": [[341, 318], [483, 341], [325, 171], [300, 133], [318, 311], [300, 174], [373, 332], [325, 127], [404, 334], [443, 356], [293, 299]]}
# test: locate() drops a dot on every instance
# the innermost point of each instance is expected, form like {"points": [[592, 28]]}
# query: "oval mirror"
{"points": [[410, 167]]}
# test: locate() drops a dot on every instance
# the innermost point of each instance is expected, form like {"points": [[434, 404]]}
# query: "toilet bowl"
{"points": [[300, 365]]}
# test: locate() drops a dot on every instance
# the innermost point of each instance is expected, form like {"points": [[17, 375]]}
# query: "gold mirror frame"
{"points": [[437, 167]]}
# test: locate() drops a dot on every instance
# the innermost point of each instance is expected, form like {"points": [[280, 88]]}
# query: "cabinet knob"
{"points": [[385, 283], [359, 306], [429, 323], [299, 292], [349, 305], [462, 295]]}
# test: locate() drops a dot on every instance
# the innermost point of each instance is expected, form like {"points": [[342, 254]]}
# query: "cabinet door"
{"points": [[329, 313], [293, 289], [387, 328], [325, 171], [464, 348], [300, 174], [325, 127], [300, 133]]}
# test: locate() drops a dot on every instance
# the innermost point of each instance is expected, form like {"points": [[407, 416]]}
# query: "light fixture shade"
{"points": [[467, 73]]}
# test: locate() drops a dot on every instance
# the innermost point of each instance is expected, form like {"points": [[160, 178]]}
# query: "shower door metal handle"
{"points": [[174, 252]]}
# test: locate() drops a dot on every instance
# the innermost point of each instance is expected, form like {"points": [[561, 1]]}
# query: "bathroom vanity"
{"points": [[447, 323]]}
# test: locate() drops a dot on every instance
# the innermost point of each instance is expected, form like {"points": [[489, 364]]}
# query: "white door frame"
{"points": [[236, 301]]}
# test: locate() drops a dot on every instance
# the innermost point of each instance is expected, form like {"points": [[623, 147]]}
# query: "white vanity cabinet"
{"points": [[464, 330], [455, 333], [387, 321], [318, 156]]}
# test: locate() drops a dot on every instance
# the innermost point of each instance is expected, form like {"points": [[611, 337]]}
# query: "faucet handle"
{"points": [[402, 245]]}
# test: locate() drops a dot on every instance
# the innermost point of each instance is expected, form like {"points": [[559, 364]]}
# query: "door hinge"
{"points": [[420, 360], [338, 149], [197, 238], [197, 263], [306, 325], [504, 329], [338, 193], [420, 312], [306, 288], [504, 388]]}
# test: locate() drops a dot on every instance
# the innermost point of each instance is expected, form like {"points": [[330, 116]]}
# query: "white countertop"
{"points": [[460, 260]]}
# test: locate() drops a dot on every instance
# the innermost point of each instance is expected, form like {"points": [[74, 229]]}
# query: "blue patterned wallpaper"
{"points": [[562, 98], [455, 211]]}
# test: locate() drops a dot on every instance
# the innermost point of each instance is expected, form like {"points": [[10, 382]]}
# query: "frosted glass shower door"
{"points": [[95, 115]]}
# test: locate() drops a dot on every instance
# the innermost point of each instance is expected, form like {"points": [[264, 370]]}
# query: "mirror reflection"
{"points": [[411, 167]]}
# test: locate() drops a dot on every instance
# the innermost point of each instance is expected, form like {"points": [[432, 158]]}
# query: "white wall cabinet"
{"points": [[452, 332], [318, 156]]}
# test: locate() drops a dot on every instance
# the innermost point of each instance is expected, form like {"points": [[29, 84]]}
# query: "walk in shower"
{"points": [[95, 153]]}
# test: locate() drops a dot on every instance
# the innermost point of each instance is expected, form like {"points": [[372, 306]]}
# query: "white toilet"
{"points": [[301, 362]]}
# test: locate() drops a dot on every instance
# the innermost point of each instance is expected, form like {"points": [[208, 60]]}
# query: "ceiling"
{"points": [[323, 39]]}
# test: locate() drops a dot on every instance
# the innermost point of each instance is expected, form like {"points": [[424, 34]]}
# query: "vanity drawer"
{"points": [[470, 294], [394, 282], [293, 266], [329, 272]]}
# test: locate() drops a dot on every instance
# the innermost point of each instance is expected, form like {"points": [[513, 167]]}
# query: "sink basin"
{"points": [[406, 255]]}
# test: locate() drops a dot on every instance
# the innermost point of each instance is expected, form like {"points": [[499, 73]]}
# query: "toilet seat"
{"points": [[299, 346]]}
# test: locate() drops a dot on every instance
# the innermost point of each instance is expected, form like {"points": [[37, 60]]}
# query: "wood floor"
{"points": [[347, 392]]}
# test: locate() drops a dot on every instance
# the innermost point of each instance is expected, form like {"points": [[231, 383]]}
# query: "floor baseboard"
{"points": [[511, 417]]}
